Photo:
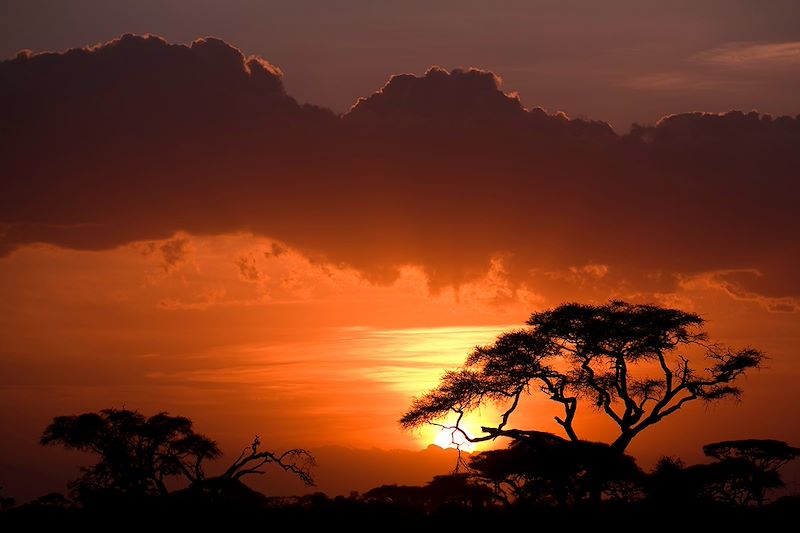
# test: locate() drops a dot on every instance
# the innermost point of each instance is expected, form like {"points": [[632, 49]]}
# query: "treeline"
{"points": [[538, 473]]}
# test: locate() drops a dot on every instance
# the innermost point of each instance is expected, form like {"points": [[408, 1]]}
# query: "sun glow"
{"points": [[411, 361], [448, 438], [443, 435]]}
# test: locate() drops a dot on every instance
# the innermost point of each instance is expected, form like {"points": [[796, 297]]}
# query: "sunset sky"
{"points": [[288, 218]]}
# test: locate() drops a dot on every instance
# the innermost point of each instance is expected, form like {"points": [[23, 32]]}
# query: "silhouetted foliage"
{"points": [[545, 469], [459, 490], [137, 453], [766, 454], [6, 502], [734, 481], [53, 500], [251, 461], [403, 495], [635, 363], [227, 488], [456, 490], [747, 468], [743, 473], [218, 494], [450, 490], [671, 484]]}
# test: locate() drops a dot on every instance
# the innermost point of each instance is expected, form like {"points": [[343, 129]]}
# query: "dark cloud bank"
{"points": [[136, 139]]}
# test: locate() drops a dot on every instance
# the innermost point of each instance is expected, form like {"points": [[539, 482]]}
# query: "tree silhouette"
{"points": [[636, 363], [672, 484], [137, 453], [401, 495], [251, 461], [460, 490], [454, 490], [547, 469], [748, 468], [6, 502]]}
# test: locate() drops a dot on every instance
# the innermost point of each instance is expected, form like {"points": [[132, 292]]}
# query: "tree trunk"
{"points": [[162, 488], [622, 442]]}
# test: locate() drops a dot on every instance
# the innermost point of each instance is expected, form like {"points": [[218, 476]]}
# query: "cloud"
{"points": [[204, 299], [458, 95], [747, 68], [674, 81], [275, 250], [248, 268], [731, 283], [458, 99], [752, 54], [138, 139], [588, 273], [174, 253]]}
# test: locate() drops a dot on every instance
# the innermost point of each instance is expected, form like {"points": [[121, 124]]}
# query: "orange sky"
{"points": [[307, 354], [178, 232]]}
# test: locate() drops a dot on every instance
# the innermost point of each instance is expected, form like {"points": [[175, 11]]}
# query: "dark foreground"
{"points": [[350, 514]]}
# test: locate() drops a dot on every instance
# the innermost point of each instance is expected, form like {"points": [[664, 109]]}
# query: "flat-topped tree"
{"points": [[635, 363], [139, 453], [748, 468]]}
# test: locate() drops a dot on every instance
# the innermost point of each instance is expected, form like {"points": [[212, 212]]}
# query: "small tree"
{"points": [[632, 362], [138, 453], [672, 484], [748, 468]]}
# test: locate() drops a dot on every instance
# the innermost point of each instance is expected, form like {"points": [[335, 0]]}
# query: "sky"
{"points": [[622, 61], [293, 227]]}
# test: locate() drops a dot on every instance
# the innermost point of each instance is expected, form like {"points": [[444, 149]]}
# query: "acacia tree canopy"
{"points": [[636, 363], [748, 468], [136, 453], [766, 454]]}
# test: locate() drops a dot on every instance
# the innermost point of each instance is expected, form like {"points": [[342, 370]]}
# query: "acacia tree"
{"points": [[635, 363], [748, 468], [138, 453]]}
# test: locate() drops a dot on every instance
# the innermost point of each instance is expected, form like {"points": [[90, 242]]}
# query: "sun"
{"points": [[444, 436], [447, 438]]}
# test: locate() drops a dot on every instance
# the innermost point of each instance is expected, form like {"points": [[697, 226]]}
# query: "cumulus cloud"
{"points": [[459, 95], [137, 139]]}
